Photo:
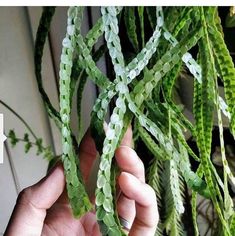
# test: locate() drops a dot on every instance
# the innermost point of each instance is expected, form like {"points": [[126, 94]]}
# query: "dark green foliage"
{"points": [[142, 91], [41, 36], [12, 137], [130, 22]]}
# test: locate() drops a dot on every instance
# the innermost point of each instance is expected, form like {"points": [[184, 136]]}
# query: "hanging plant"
{"points": [[164, 43]]}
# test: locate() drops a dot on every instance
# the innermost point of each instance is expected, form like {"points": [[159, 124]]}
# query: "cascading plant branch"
{"points": [[180, 38]]}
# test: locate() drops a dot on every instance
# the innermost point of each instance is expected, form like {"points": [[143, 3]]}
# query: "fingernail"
{"points": [[133, 152], [105, 126], [129, 177]]}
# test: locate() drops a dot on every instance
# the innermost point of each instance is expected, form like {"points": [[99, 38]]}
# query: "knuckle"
{"points": [[24, 196], [140, 168], [140, 165], [154, 203], [151, 192]]}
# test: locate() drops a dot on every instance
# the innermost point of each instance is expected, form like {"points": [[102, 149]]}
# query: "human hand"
{"points": [[43, 208]]}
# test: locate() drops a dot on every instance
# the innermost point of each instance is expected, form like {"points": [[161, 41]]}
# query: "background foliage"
{"points": [[150, 49]]}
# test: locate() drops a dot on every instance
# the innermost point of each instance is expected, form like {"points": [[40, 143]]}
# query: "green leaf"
{"points": [[100, 213], [225, 69], [151, 144], [172, 219], [77, 195], [192, 179], [100, 197], [130, 22], [157, 71], [151, 16], [232, 224], [27, 147], [109, 220], [39, 146], [42, 32], [26, 137], [12, 137], [48, 153], [206, 111], [141, 20]]}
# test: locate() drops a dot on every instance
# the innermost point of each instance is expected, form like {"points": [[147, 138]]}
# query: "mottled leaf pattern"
{"points": [[41, 36], [142, 93], [76, 191]]}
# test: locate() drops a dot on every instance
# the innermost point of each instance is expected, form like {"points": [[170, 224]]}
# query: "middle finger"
{"points": [[128, 161]]}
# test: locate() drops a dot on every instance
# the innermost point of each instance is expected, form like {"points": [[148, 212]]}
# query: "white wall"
{"points": [[18, 89]]}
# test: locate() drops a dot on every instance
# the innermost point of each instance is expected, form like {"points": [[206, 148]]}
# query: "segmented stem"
{"points": [[75, 187]]}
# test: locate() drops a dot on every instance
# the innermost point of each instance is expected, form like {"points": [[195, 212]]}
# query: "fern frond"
{"points": [[109, 222], [228, 202], [96, 31], [77, 195], [133, 69], [167, 62], [81, 85], [87, 62], [151, 16], [130, 22], [184, 18], [172, 223], [232, 224], [141, 20], [41, 36], [141, 92], [154, 173], [207, 106], [158, 153], [225, 67], [175, 187], [170, 79], [159, 117], [187, 58], [192, 179]]}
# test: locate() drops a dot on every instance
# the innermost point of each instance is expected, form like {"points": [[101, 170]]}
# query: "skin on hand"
{"points": [[43, 209]]}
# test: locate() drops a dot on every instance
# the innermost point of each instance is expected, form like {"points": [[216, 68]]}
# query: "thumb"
{"points": [[30, 209]]}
